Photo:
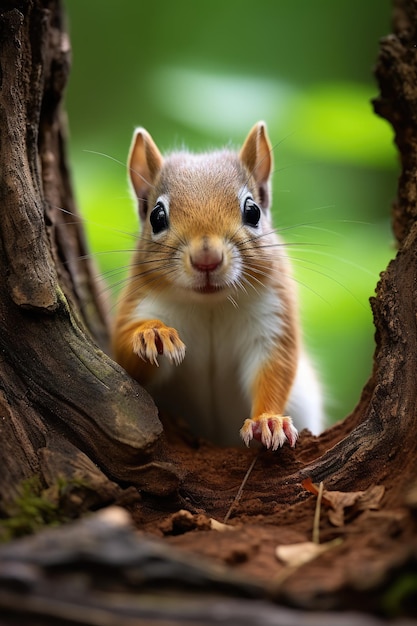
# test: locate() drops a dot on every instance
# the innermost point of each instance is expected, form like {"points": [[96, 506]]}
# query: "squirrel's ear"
{"points": [[144, 163], [256, 156]]}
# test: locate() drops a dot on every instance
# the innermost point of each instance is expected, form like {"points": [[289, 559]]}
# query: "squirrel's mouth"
{"points": [[208, 288], [208, 283]]}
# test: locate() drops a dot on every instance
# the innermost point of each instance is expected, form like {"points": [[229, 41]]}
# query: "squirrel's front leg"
{"points": [[151, 338], [138, 343], [270, 392]]}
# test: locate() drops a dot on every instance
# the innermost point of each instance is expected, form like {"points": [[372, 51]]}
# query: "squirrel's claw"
{"points": [[270, 429], [149, 343]]}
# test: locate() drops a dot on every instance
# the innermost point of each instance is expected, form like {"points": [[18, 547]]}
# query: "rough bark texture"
{"points": [[58, 390], [69, 413]]}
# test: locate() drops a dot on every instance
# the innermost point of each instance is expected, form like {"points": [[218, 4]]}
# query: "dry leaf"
{"points": [[215, 525], [297, 554], [341, 500], [371, 498], [310, 486]]}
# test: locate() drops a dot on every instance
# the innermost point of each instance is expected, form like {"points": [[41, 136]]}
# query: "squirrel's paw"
{"points": [[270, 429], [149, 342]]}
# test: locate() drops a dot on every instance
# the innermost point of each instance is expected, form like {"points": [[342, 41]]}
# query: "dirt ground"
{"points": [[368, 541]]}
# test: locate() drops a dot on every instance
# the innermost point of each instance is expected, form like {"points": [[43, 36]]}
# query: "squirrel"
{"points": [[208, 320]]}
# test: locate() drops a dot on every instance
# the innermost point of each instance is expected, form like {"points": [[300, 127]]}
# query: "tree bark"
{"points": [[382, 441], [61, 397]]}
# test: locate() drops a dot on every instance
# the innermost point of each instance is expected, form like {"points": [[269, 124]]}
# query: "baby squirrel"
{"points": [[210, 292]]}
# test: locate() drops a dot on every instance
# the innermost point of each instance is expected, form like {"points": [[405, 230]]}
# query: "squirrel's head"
{"points": [[209, 212]]}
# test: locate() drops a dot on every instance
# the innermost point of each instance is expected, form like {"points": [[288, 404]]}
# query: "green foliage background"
{"points": [[201, 74]]}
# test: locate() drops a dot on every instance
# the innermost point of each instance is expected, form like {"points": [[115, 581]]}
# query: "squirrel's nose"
{"points": [[206, 255], [206, 260]]}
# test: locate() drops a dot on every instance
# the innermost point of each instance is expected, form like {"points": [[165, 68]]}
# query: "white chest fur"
{"points": [[225, 347]]}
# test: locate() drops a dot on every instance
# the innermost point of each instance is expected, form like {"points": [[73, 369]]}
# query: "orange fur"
{"points": [[272, 386]]}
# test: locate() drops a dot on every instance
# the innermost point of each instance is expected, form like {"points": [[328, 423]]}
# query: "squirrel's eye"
{"points": [[251, 213], [158, 218]]}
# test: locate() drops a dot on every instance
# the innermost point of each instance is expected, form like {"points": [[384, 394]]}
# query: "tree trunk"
{"points": [[64, 404], [382, 442], [72, 417]]}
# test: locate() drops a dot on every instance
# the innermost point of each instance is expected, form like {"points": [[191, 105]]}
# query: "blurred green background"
{"points": [[201, 74]]}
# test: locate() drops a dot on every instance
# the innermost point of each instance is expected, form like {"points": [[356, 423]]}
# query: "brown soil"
{"points": [[276, 509]]}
